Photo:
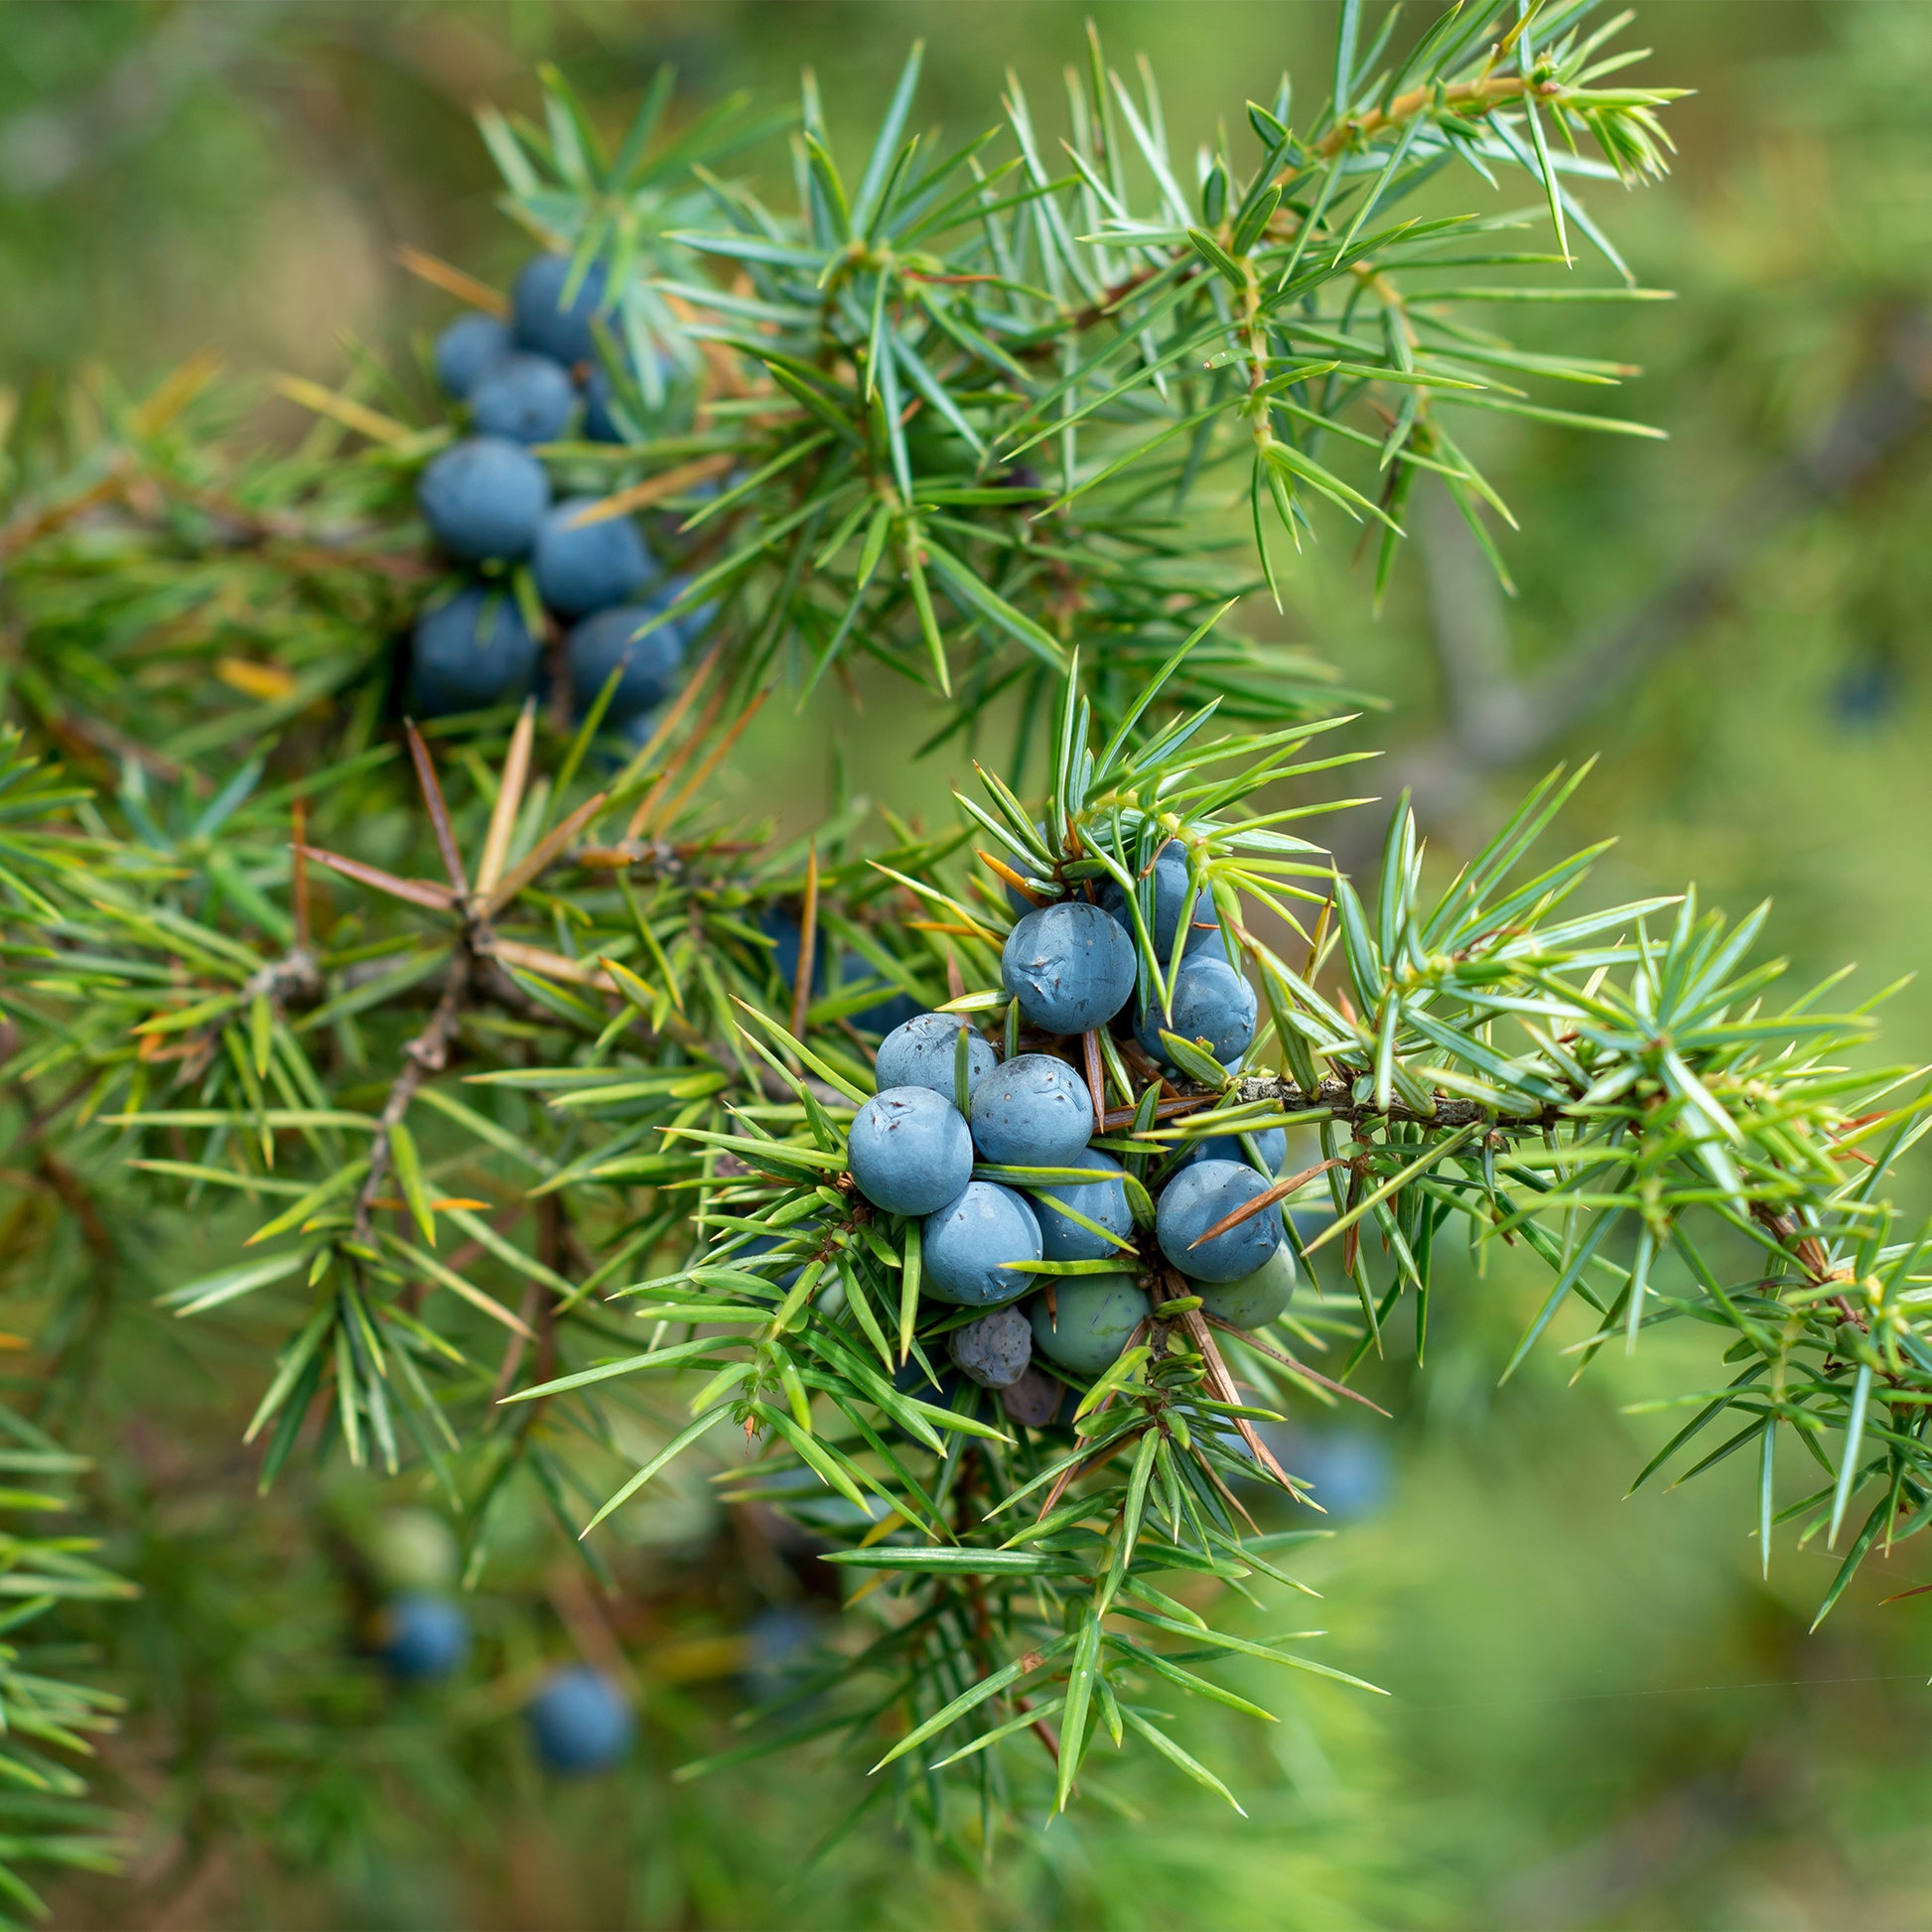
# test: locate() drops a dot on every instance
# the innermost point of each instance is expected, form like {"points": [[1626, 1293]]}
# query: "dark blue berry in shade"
{"points": [[779, 1641], [467, 349], [1035, 1398], [469, 653], [910, 1152], [1350, 1470], [599, 425], [1211, 1001], [1255, 1300], [678, 510], [544, 320], [700, 617], [607, 639], [1070, 967], [910, 1379], [994, 1349], [1092, 1317], [601, 391], [1866, 690], [1270, 1143], [1034, 1111], [891, 1010], [1171, 900], [886, 1015], [964, 1246], [923, 1052], [633, 733], [582, 567], [1102, 1201], [526, 398], [423, 1638], [789, 940], [581, 1722], [888, 1010], [1200, 1197], [483, 498]]}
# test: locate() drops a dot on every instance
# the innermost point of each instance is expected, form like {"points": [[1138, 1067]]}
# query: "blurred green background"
{"points": [[1600, 1713]]}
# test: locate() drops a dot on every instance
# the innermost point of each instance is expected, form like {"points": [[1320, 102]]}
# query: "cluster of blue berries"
{"points": [[488, 501], [1072, 966], [579, 1721], [947, 1106], [948, 1103]]}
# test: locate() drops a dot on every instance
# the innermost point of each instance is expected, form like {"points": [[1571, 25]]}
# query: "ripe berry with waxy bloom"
{"points": [[911, 1150], [526, 398], [1200, 1197], [467, 349], [922, 1054], [584, 565], [483, 499], [1032, 1111], [1070, 967], [967, 1244], [469, 652], [548, 322]]}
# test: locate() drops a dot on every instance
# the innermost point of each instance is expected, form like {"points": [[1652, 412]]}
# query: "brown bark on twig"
{"points": [[427, 1053]]}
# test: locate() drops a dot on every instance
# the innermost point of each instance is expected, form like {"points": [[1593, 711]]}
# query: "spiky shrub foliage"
{"points": [[51, 1718], [474, 1040], [47, 1717], [973, 405]]}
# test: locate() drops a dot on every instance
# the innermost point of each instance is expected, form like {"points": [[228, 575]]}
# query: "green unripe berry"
{"points": [[1255, 1300], [1093, 1315]]}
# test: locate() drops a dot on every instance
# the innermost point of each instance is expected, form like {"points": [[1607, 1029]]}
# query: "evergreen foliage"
{"points": [[514, 1081]]}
